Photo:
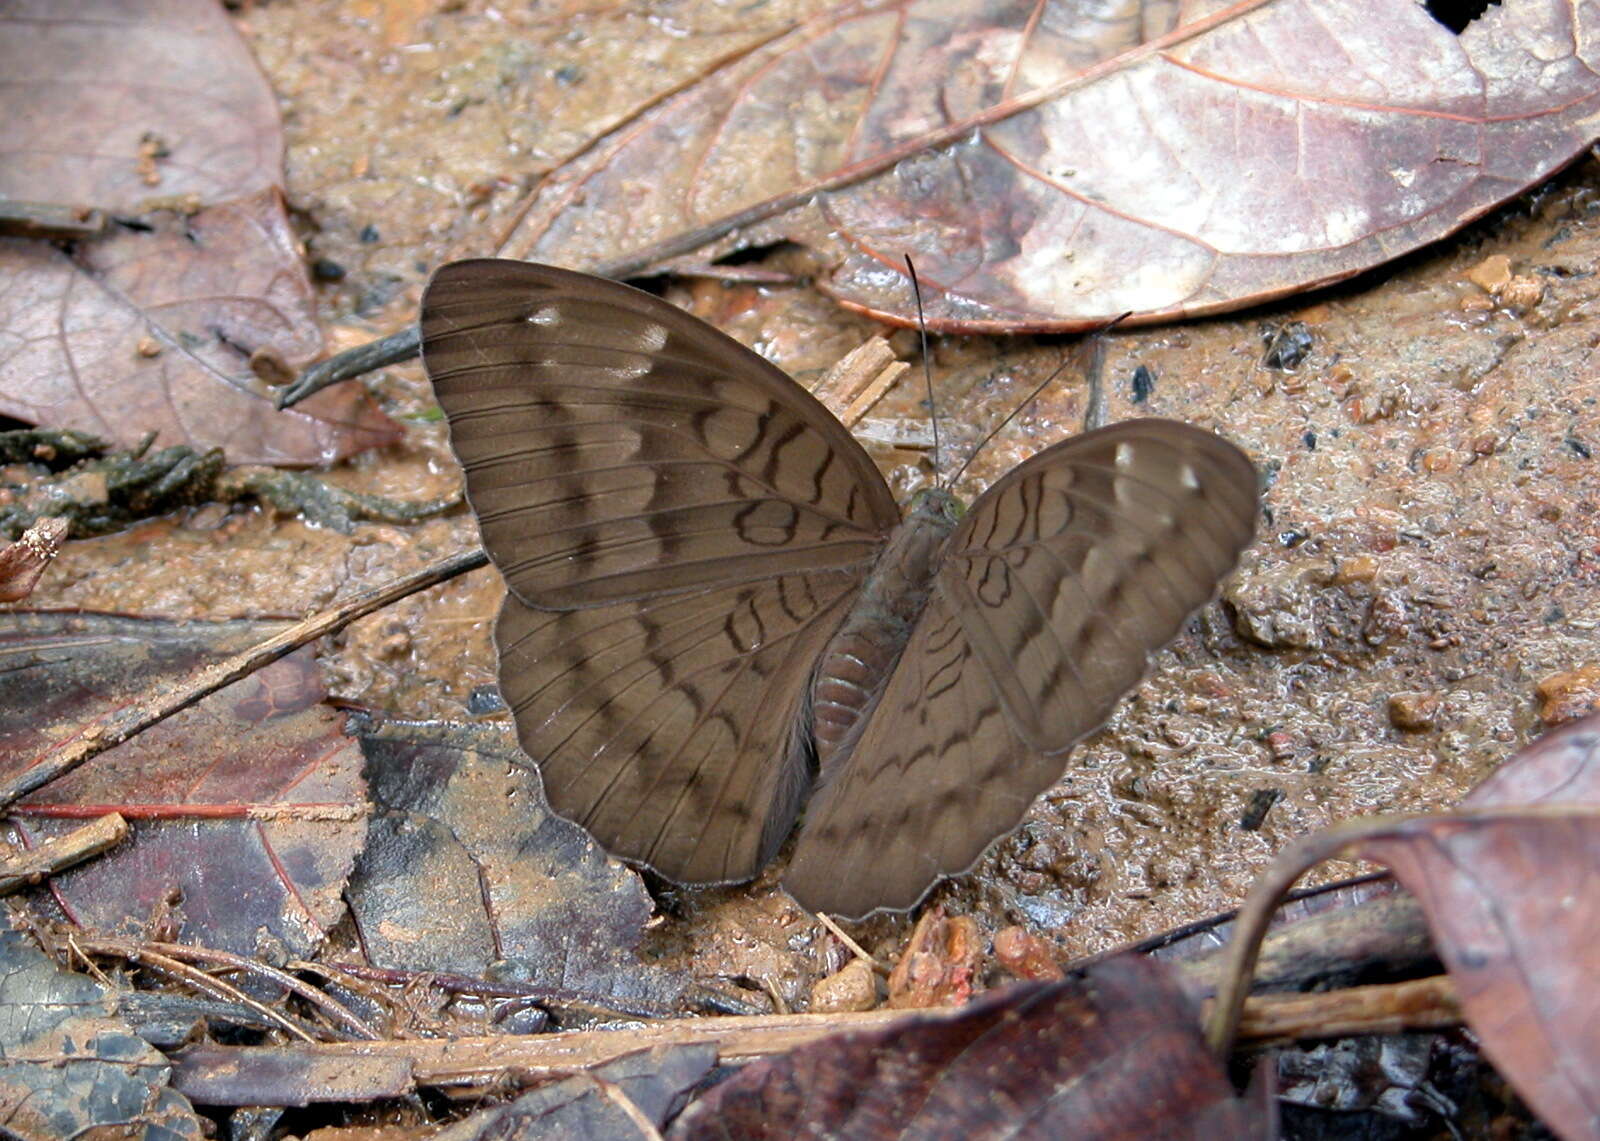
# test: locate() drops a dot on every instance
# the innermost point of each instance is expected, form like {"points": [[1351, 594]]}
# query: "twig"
{"points": [[182, 972], [22, 869], [122, 724], [856, 949], [351, 363], [1418, 1004], [204, 1072], [327, 1003], [543, 995]]}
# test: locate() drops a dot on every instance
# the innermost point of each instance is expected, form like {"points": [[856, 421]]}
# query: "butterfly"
{"points": [[718, 622]]}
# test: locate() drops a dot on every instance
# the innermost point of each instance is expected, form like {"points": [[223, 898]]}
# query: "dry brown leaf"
{"points": [[1052, 166]]}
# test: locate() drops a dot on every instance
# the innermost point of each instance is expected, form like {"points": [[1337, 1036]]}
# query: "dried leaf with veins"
{"points": [[1051, 165], [717, 616]]}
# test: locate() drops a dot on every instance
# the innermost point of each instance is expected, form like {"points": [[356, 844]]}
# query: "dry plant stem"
{"points": [[1340, 840], [483, 988], [23, 869], [473, 1063], [376, 994], [855, 948], [182, 972], [326, 1003], [1419, 1004], [132, 719]]}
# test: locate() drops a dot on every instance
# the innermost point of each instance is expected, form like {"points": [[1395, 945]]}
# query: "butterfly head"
{"points": [[938, 506]]}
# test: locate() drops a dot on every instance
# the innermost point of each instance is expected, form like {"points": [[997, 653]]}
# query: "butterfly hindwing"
{"points": [[665, 726]]}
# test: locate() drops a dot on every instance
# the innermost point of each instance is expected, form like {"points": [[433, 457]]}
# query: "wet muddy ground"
{"points": [[1429, 552]]}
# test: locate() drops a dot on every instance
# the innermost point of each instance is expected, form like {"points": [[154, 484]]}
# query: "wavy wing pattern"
{"points": [[681, 527], [1051, 595]]}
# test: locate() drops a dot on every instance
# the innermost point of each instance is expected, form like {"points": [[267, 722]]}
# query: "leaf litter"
{"points": [[1458, 717], [153, 327]]}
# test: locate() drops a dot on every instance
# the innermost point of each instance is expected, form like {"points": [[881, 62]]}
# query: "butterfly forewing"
{"points": [[681, 527], [1050, 596], [1080, 562], [616, 447]]}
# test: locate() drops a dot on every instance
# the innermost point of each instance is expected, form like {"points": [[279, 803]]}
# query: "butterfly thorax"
{"points": [[854, 668]]}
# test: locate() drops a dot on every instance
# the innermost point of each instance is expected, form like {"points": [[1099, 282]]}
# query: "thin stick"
{"points": [[121, 724], [182, 972], [204, 1071], [838, 933], [21, 869], [927, 366], [331, 1006], [351, 363]]}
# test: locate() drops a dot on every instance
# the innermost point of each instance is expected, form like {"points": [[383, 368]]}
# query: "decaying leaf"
{"points": [[111, 104], [465, 867], [69, 1067], [249, 804], [1506, 885], [1113, 1053], [1509, 894], [939, 964], [152, 328], [1051, 166]]}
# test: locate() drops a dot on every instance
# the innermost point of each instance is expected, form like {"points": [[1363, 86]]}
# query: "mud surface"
{"points": [[1429, 552]]}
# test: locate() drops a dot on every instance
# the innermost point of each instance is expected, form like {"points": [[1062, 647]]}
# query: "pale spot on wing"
{"points": [[546, 316], [1125, 455], [651, 338], [1188, 479]]}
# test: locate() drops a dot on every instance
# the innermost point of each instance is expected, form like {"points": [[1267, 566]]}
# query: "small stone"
{"points": [[1386, 620], [1414, 711], [1569, 695], [1357, 568], [1026, 956], [1492, 274], [1274, 608], [1522, 293], [148, 347], [270, 367], [850, 988]]}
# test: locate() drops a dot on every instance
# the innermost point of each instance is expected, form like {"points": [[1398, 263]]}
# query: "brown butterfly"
{"points": [[717, 617]]}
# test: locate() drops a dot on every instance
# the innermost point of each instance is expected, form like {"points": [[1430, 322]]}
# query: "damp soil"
{"points": [[1429, 550]]}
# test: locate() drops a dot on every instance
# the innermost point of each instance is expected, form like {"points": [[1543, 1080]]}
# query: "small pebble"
{"points": [[1024, 955], [1569, 695], [1414, 711], [1492, 274], [850, 988], [1357, 568]]}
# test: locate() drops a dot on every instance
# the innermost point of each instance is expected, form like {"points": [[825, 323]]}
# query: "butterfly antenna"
{"points": [[1010, 416], [1093, 414], [927, 368]]}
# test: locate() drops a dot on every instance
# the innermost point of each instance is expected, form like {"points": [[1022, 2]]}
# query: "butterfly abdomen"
{"points": [[854, 668]]}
